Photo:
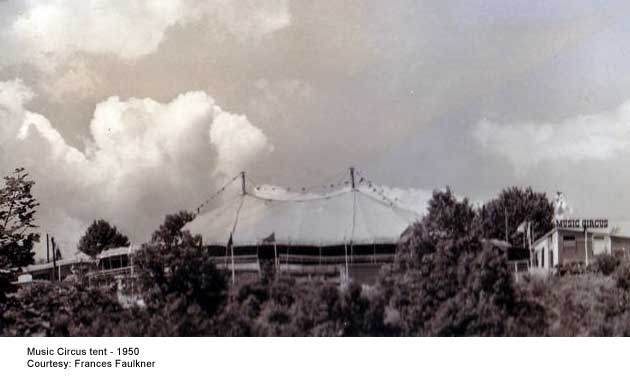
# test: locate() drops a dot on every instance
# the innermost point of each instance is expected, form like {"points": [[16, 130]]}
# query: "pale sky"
{"points": [[130, 110]]}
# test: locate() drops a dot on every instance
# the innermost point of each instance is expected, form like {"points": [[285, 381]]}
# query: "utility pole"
{"points": [[47, 249], [586, 245], [353, 184], [130, 263], [352, 178], [54, 250], [529, 241], [506, 225]]}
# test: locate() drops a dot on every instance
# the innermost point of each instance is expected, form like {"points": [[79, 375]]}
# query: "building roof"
{"points": [[79, 257], [359, 215], [114, 252]]}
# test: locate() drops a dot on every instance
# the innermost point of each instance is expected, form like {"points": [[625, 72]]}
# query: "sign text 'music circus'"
{"points": [[582, 223]]}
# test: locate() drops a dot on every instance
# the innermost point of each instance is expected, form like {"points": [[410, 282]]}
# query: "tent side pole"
{"points": [[374, 251], [258, 260], [233, 269], [346, 250], [352, 252], [320, 252], [275, 250]]}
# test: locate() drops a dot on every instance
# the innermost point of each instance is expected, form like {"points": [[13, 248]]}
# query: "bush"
{"points": [[60, 309], [606, 264], [622, 276], [572, 268], [180, 269]]}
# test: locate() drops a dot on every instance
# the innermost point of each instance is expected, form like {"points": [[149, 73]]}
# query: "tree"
{"points": [[170, 233], [454, 284], [450, 224], [17, 213], [518, 205], [101, 236], [180, 284], [483, 302]]}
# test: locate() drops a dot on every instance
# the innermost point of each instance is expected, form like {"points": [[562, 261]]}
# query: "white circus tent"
{"points": [[353, 211]]}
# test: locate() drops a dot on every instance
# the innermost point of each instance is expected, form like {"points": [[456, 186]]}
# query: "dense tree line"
{"points": [[446, 281], [590, 304]]}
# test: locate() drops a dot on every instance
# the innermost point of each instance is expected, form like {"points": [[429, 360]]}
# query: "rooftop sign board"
{"points": [[582, 223]]}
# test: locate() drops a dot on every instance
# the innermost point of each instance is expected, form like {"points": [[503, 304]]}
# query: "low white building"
{"points": [[563, 245]]}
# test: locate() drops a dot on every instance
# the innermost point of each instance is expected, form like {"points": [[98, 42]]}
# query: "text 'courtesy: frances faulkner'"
{"points": [[104, 357]]}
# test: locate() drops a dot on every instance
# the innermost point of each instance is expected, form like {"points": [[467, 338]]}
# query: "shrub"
{"points": [[606, 264], [622, 276], [60, 309]]}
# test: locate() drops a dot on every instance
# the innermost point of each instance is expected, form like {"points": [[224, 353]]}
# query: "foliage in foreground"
{"points": [[17, 217], [592, 304], [446, 281]]}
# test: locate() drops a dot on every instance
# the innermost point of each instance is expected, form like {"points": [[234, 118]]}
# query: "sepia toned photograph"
{"points": [[290, 168]]}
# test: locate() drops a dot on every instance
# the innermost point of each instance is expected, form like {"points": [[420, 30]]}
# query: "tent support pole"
{"points": [[275, 251], [258, 260], [346, 250], [233, 269], [320, 252], [352, 253], [374, 251], [243, 187], [352, 178]]}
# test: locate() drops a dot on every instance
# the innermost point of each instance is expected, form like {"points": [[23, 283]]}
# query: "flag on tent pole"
{"points": [[270, 239]]}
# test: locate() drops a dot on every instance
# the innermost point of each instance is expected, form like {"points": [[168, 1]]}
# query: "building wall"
{"points": [[567, 247], [545, 251], [620, 246], [557, 247], [571, 248], [562, 247]]}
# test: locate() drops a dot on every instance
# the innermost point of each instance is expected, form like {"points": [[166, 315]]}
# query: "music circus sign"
{"points": [[582, 223]]}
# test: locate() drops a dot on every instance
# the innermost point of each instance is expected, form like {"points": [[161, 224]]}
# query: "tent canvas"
{"points": [[347, 215]]}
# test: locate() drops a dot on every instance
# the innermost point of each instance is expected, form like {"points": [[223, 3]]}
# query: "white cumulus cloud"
{"points": [[47, 32], [144, 159], [236, 140], [586, 137], [13, 96]]}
